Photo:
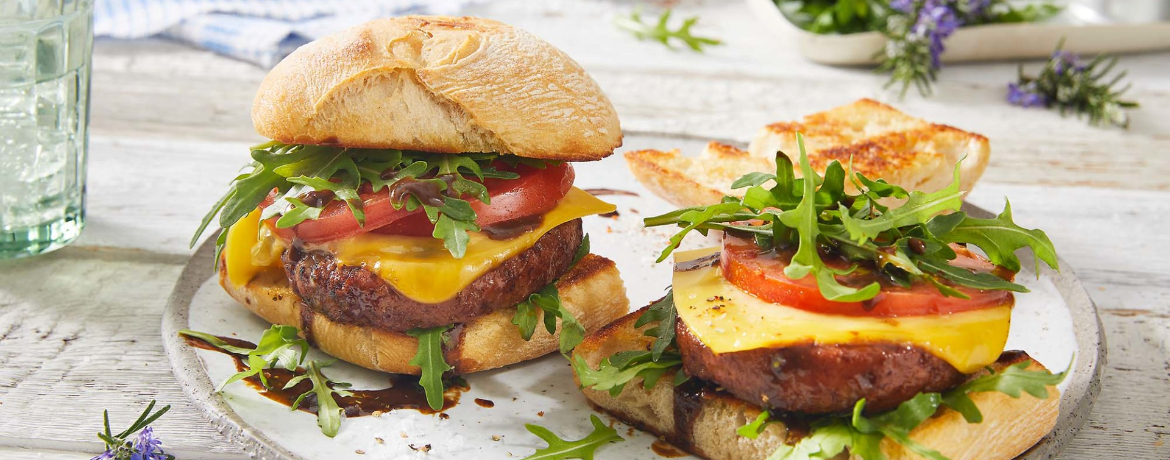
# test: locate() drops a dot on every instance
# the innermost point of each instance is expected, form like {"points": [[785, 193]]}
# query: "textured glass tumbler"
{"points": [[45, 51]]}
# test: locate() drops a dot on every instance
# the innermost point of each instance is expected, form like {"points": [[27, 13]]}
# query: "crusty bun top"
{"points": [[438, 84]]}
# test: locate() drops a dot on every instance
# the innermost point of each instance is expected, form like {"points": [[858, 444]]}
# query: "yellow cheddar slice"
{"points": [[418, 267], [727, 319]]}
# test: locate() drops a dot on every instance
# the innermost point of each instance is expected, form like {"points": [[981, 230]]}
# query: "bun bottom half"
{"points": [[592, 291], [1010, 426]]}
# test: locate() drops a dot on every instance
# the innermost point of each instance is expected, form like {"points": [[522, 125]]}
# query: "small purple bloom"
{"points": [[936, 21], [1025, 96], [976, 8], [147, 447], [905, 6], [1062, 61], [107, 455]]}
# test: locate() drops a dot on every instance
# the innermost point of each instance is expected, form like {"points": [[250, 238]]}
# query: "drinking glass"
{"points": [[45, 52]]}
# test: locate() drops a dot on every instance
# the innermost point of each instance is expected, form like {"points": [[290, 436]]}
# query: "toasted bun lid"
{"points": [[438, 84]]}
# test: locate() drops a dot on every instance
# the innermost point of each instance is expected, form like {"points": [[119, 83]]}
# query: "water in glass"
{"points": [[45, 52]]}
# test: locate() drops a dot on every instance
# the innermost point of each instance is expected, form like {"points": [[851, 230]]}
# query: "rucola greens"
{"points": [[294, 170], [907, 243]]}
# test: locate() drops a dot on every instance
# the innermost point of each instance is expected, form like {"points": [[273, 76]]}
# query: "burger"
{"points": [[828, 325], [414, 211]]}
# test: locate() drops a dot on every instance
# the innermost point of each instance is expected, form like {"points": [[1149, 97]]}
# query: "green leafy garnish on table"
{"points": [[863, 435], [1074, 86], [660, 30], [906, 243], [583, 449], [429, 359], [328, 411], [337, 174]]}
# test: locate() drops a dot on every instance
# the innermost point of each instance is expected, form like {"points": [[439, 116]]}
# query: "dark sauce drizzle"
{"points": [[404, 391], [509, 229], [609, 191]]}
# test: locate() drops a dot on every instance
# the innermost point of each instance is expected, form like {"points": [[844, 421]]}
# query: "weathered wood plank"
{"points": [[79, 333]]}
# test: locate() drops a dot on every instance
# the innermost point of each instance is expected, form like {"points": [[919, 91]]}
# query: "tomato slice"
{"points": [[762, 275], [535, 192]]}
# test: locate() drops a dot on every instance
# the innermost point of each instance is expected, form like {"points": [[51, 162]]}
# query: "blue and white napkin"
{"points": [[259, 31]]}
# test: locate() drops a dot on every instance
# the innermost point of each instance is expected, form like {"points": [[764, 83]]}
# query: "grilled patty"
{"points": [[354, 295], [820, 379]]}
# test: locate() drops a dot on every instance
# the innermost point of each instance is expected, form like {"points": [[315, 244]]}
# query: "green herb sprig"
{"points": [[429, 359], [548, 301], [584, 448], [120, 447], [661, 33], [295, 170], [1073, 86], [836, 16], [280, 346], [863, 435], [904, 244]]}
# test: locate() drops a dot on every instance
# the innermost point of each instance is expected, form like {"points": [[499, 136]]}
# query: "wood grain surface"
{"points": [[79, 328]]}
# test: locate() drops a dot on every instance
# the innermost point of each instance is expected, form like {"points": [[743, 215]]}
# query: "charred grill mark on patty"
{"points": [[355, 295], [820, 379]]}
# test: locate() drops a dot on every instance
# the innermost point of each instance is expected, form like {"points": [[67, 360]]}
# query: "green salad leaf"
{"points": [[862, 435], [583, 449], [904, 243], [441, 184], [548, 301], [429, 358], [616, 371], [279, 346], [663, 314], [329, 413]]}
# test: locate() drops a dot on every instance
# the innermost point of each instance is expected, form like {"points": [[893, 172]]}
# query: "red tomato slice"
{"points": [[762, 275], [535, 192]]}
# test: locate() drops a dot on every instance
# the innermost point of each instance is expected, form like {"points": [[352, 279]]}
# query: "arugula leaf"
{"points": [[906, 244], [429, 359], [917, 210], [827, 441], [897, 423], [290, 171], [616, 371], [1011, 381], [548, 300], [660, 31], [804, 218], [663, 313], [329, 414], [1000, 238], [582, 251], [584, 448], [754, 428], [526, 318], [278, 346]]}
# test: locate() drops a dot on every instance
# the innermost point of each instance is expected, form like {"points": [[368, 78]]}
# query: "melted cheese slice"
{"points": [[418, 267], [727, 319]]}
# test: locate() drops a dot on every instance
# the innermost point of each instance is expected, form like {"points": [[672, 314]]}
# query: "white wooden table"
{"points": [[79, 328]]}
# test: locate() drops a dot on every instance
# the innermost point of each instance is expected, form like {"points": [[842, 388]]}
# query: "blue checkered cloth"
{"points": [[258, 31]]}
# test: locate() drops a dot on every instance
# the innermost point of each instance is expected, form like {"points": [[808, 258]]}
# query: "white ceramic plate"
{"points": [[979, 43], [1052, 322]]}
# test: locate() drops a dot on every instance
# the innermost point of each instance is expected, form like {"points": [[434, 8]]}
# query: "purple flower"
{"points": [[1062, 61], [936, 21], [905, 6], [1025, 95], [147, 447], [976, 8], [107, 455]]}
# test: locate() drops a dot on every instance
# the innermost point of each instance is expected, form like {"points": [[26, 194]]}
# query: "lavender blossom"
{"points": [[1025, 95], [904, 6]]}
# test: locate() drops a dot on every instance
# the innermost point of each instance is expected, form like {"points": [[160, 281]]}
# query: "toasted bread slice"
{"points": [[1010, 425], [592, 291], [878, 140]]}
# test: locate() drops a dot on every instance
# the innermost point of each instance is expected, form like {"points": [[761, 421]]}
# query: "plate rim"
{"points": [[191, 374]]}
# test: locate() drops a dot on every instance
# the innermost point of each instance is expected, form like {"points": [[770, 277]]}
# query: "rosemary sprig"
{"points": [[660, 31], [1072, 85], [144, 447]]}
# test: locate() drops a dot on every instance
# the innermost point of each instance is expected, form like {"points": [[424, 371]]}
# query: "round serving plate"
{"points": [[1056, 323]]}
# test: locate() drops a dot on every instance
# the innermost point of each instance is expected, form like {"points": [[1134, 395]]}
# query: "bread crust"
{"points": [[438, 84], [1010, 426], [592, 291], [880, 141]]}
